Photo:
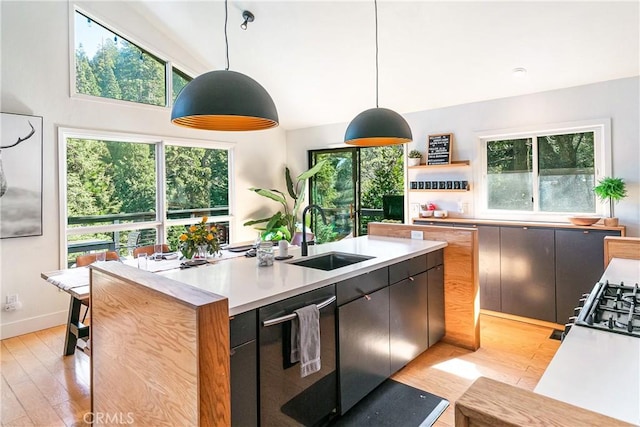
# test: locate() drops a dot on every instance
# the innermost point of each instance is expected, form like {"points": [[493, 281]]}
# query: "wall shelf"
{"points": [[453, 164]]}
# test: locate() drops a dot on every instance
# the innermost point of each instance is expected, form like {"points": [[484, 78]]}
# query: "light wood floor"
{"points": [[513, 352], [40, 387]]}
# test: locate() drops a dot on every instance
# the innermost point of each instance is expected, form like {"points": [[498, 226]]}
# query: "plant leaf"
{"points": [[271, 194], [274, 221], [311, 172], [256, 221], [287, 176], [300, 199]]}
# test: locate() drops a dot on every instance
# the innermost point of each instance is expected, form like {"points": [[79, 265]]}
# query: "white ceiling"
{"points": [[317, 58]]}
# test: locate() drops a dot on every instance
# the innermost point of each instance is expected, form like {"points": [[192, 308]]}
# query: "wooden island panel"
{"points": [[621, 247], [492, 403], [159, 350], [461, 283]]}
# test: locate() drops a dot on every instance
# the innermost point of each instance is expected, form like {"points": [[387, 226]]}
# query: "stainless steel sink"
{"points": [[331, 261]]}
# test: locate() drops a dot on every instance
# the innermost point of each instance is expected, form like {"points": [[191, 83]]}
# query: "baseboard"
{"points": [[32, 324], [537, 322]]}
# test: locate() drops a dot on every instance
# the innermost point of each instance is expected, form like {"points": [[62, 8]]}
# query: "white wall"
{"points": [[35, 80], [618, 100]]}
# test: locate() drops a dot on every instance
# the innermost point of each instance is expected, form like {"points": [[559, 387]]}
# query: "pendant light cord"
{"points": [[226, 38], [375, 4]]}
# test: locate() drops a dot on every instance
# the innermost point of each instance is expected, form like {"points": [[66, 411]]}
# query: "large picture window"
{"points": [[120, 192], [547, 172]]}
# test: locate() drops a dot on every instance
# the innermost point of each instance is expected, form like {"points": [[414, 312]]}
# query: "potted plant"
{"points": [[613, 190], [414, 158], [283, 224]]}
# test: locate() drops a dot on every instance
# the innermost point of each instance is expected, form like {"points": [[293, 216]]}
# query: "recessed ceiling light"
{"points": [[519, 71]]}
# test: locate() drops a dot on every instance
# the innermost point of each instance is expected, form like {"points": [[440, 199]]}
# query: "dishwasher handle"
{"points": [[292, 316]]}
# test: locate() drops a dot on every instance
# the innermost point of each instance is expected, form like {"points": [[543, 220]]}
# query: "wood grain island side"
{"points": [[159, 351]]}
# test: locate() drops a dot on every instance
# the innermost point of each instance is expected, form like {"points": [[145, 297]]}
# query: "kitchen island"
{"points": [[248, 286], [160, 342]]}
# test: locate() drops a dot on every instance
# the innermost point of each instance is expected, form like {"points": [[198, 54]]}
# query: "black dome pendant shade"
{"points": [[376, 127], [226, 101]]}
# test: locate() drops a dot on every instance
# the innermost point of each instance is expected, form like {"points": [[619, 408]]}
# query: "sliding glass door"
{"points": [[335, 189], [353, 187]]}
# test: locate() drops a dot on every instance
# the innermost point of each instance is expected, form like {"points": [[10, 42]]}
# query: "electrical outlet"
{"points": [[415, 208], [416, 234], [13, 303]]}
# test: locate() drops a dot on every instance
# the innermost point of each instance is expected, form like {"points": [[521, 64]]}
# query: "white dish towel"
{"points": [[305, 339]]}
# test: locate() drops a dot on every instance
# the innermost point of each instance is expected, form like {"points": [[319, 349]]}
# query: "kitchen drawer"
{"points": [[435, 258], [410, 267], [350, 289], [242, 328]]}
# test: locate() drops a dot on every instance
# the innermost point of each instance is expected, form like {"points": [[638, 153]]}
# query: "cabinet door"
{"points": [[579, 265], [363, 331], [408, 329], [435, 279], [489, 267], [527, 270], [244, 385]]}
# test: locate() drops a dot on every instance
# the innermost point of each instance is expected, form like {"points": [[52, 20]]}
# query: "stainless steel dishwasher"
{"points": [[286, 399]]}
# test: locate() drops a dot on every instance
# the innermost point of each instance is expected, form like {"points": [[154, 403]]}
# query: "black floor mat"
{"points": [[556, 335], [396, 405]]}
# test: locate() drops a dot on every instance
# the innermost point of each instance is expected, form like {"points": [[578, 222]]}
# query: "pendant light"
{"points": [[378, 126], [224, 100]]}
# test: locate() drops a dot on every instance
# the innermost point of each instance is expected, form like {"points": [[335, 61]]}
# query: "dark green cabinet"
{"points": [[579, 265], [435, 297], [244, 369], [363, 337], [527, 272]]}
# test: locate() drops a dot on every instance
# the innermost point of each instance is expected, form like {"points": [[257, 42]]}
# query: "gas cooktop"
{"points": [[612, 307]]}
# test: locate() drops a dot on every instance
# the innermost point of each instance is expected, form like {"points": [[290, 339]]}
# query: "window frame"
{"points": [[602, 166], [161, 222], [169, 65]]}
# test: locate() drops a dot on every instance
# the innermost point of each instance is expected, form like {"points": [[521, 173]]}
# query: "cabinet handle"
{"points": [[292, 316], [411, 278], [367, 297], [525, 228], [585, 232]]}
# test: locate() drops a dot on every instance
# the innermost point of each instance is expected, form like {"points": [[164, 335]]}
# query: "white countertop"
{"points": [[599, 370], [248, 286]]}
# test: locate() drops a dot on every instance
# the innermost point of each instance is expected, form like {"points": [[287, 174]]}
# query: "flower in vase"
{"points": [[200, 236]]}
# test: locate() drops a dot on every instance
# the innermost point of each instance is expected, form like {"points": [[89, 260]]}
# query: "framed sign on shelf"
{"points": [[20, 176], [439, 149]]}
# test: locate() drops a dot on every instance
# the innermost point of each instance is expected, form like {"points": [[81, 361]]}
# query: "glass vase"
{"points": [[201, 252]]}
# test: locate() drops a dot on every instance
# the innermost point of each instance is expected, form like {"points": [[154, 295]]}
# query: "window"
{"points": [[179, 81], [108, 65], [114, 196], [545, 172]]}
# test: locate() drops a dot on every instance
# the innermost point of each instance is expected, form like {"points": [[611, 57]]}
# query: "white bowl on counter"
{"points": [[440, 214]]}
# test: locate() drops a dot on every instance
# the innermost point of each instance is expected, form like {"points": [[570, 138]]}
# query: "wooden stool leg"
{"points": [[71, 338]]}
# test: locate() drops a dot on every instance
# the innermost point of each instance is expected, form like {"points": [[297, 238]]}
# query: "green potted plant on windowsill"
{"points": [[612, 190], [415, 157]]}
